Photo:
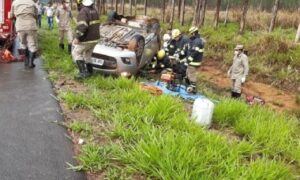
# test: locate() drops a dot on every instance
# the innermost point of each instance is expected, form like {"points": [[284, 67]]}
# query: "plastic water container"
{"points": [[202, 112]]}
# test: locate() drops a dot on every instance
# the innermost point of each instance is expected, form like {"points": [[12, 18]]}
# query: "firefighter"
{"points": [[180, 44], [196, 49], [238, 71], [159, 62], [86, 37], [64, 17], [178, 48], [26, 13]]}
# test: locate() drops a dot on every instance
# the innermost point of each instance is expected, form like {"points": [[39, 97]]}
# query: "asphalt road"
{"points": [[32, 147]]}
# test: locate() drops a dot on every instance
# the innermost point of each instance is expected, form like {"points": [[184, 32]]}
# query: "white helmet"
{"points": [[87, 2], [166, 37]]}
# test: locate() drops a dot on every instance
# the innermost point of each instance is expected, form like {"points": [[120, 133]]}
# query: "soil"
{"points": [[274, 97]]}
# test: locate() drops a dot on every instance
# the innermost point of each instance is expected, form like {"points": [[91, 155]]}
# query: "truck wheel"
{"points": [[137, 44]]}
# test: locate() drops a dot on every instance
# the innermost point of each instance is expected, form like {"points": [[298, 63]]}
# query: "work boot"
{"points": [[82, 70], [23, 56], [192, 88], [62, 46], [187, 81], [69, 48], [235, 95], [32, 56], [89, 68]]}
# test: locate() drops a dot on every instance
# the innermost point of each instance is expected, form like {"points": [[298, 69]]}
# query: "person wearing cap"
{"points": [[194, 58], [26, 14], [238, 71], [86, 37], [64, 18]]}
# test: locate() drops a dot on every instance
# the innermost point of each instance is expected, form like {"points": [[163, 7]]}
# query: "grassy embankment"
{"points": [[148, 136]]}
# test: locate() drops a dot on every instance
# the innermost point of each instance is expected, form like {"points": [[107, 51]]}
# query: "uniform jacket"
{"points": [[64, 16], [26, 13], [179, 47], [88, 24], [240, 67], [196, 49]]}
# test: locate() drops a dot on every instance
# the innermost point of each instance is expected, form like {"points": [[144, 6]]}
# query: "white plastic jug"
{"points": [[202, 111]]}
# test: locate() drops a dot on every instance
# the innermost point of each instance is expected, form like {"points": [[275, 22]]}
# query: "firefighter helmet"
{"points": [[166, 37], [87, 2], [193, 29], [175, 33], [161, 54], [78, 1]]}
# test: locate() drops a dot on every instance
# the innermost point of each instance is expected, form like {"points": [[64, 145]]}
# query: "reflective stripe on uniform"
{"points": [[95, 22], [80, 33], [182, 52], [199, 50], [195, 63], [191, 58], [82, 23], [88, 42]]}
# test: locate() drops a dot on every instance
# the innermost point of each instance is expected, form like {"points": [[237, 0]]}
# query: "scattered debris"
{"points": [[255, 100], [80, 141]]}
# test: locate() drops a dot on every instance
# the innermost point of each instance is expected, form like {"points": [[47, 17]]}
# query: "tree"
{"points": [[179, 9], [145, 7], [243, 17], [226, 14], [196, 12], [172, 14], [123, 7], [182, 12], [274, 15], [116, 5], [135, 7], [202, 12], [130, 7], [298, 34], [163, 11], [217, 14]]}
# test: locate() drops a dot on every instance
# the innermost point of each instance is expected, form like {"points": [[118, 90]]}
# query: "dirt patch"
{"points": [[274, 97], [66, 84]]}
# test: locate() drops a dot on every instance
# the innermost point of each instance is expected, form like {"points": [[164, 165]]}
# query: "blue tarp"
{"points": [[180, 91]]}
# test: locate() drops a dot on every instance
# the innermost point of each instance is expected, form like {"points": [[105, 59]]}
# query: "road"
{"points": [[31, 146]]}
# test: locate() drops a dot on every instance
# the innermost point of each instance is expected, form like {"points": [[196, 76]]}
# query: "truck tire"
{"points": [[137, 44]]}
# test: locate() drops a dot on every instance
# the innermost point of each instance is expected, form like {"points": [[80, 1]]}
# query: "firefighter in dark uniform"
{"points": [[178, 47], [86, 37], [194, 58]]}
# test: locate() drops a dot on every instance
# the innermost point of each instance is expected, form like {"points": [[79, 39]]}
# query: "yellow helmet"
{"points": [[161, 54], [193, 29], [175, 33]]}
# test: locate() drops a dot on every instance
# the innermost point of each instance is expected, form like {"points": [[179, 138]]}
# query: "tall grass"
{"points": [[276, 134], [153, 136]]}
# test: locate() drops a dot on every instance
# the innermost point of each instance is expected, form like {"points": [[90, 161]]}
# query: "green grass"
{"points": [[276, 134], [81, 127], [153, 137]]}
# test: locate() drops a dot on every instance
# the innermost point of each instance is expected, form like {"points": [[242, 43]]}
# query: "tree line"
{"points": [[177, 9]]}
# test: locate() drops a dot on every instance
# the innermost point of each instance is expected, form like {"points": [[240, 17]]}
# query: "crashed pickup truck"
{"points": [[126, 45]]}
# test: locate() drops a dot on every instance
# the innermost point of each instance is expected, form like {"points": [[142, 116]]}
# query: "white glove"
{"points": [[57, 20], [243, 79], [228, 73], [75, 41], [184, 60]]}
